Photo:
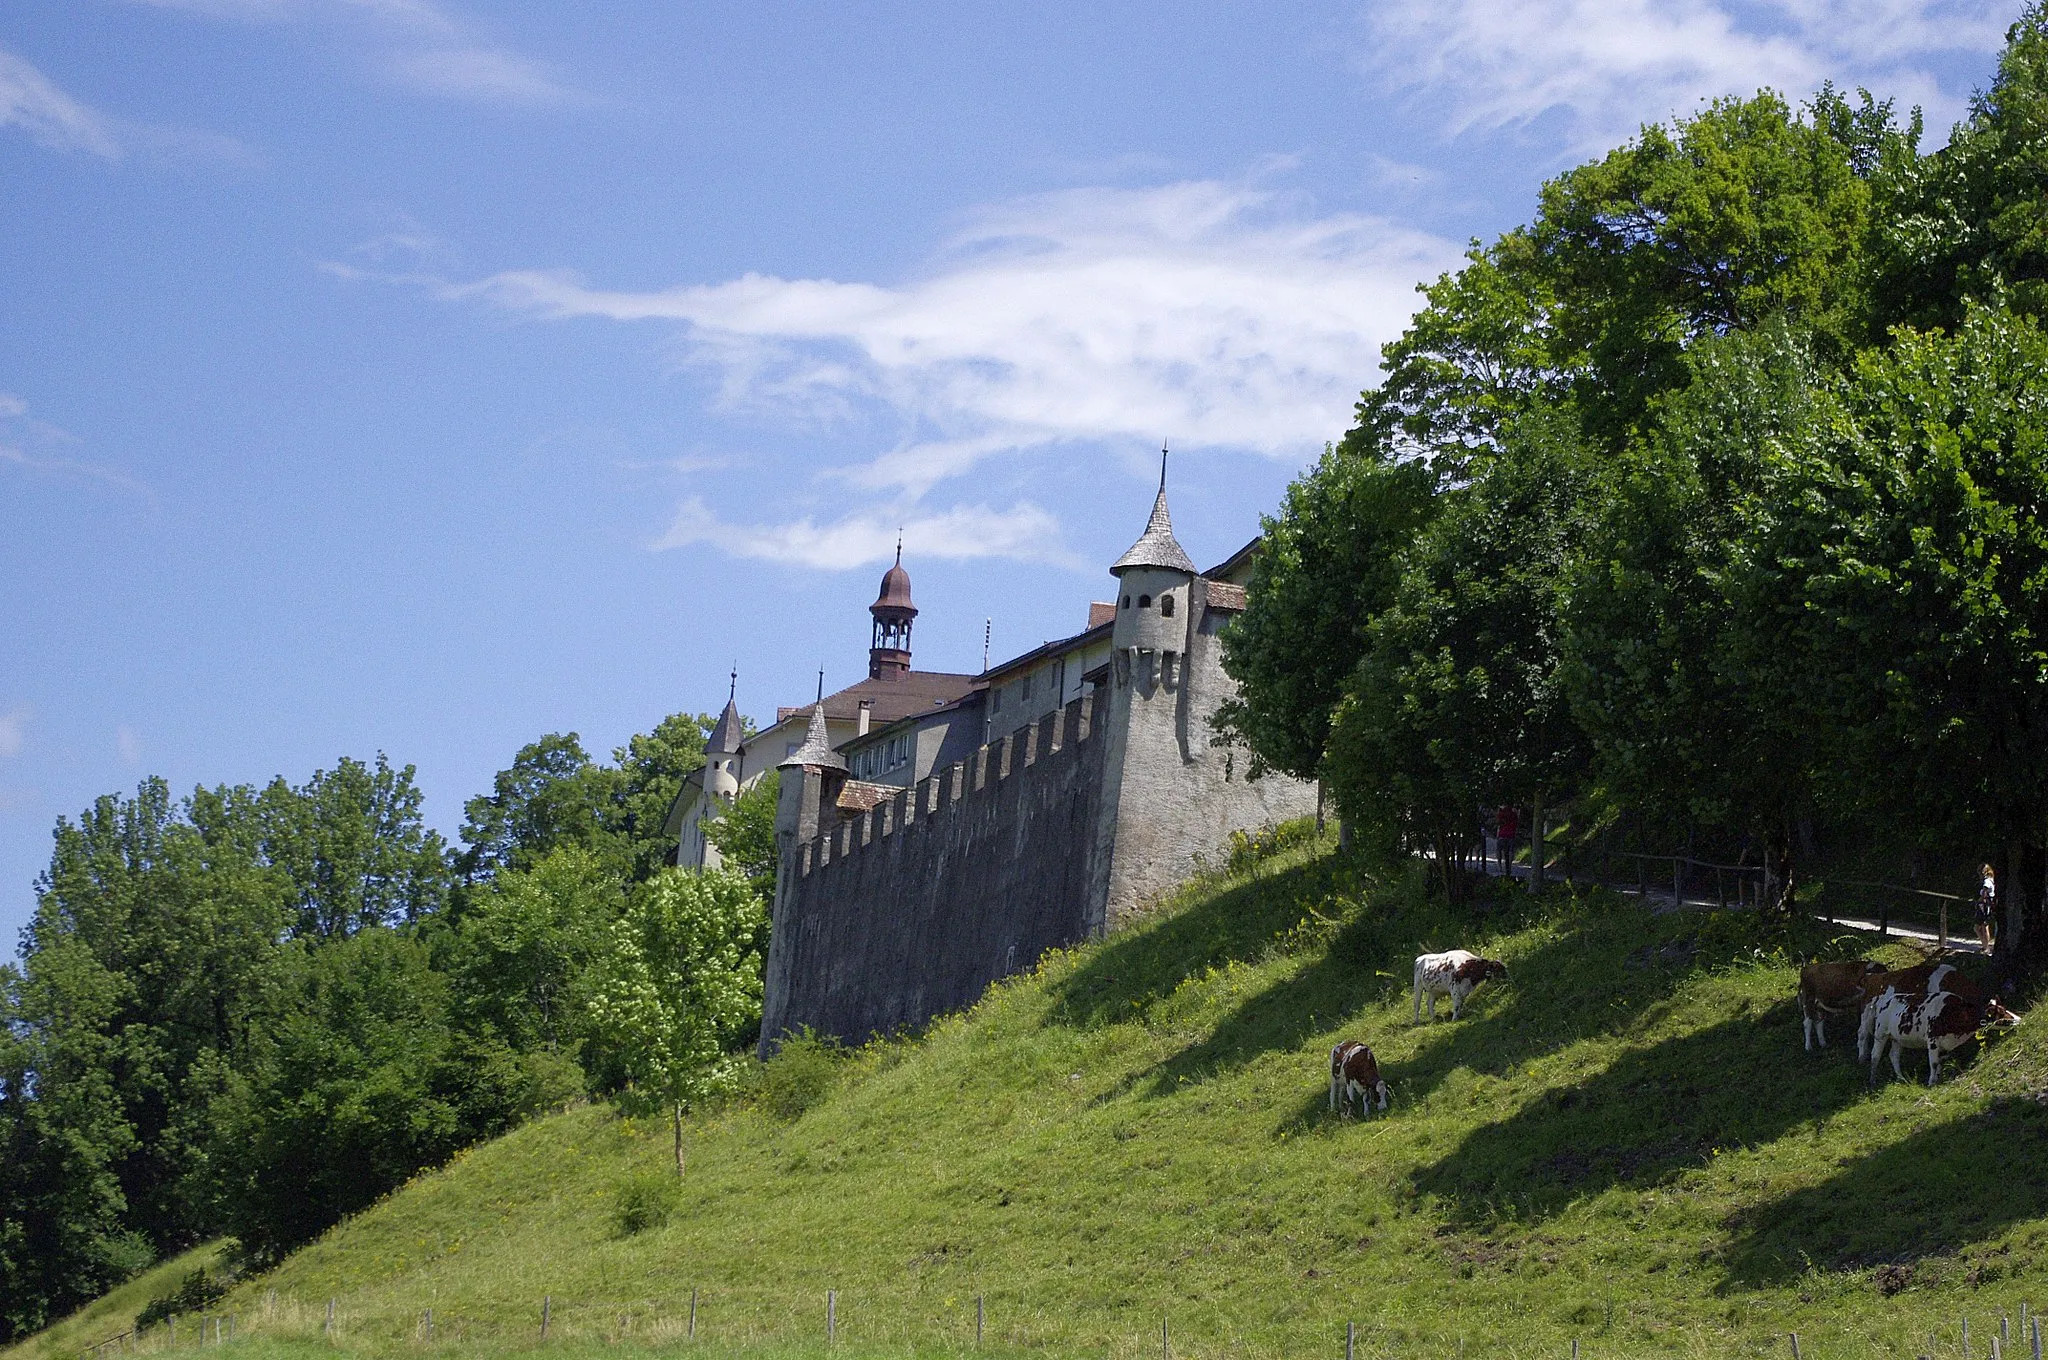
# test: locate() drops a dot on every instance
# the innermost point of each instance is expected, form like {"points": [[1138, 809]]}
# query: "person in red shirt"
{"points": [[1507, 824]]}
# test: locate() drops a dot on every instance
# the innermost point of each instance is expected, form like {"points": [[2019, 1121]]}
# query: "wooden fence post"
{"points": [[427, 1324], [2037, 1337], [1677, 882], [329, 1329], [547, 1308], [1795, 1346], [980, 1316], [693, 1315], [1350, 1341], [1165, 1340]]}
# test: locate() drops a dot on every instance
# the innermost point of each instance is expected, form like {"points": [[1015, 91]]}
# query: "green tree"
{"points": [[524, 948], [1330, 562], [552, 795], [652, 767], [363, 1081], [679, 990], [1706, 711], [356, 847], [1913, 546], [1459, 703], [745, 833]]}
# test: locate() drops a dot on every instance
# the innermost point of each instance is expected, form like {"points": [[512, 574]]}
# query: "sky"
{"points": [[422, 376]]}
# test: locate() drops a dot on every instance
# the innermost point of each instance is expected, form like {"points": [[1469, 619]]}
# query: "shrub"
{"points": [[194, 1293], [802, 1074], [646, 1202]]}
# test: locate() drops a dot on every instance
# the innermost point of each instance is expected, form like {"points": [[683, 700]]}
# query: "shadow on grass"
{"points": [[1607, 964], [1645, 1120], [1933, 1192]]}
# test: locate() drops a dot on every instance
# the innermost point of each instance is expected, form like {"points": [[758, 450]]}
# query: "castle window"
{"points": [[1127, 602], [1166, 606], [1144, 602]]}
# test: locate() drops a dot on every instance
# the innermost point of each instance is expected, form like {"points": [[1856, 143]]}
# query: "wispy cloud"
{"points": [[128, 744], [16, 424], [31, 101], [13, 730], [1225, 315], [1604, 67], [1023, 532], [417, 44]]}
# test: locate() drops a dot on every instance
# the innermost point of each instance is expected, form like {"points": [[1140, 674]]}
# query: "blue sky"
{"points": [[422, 376]]}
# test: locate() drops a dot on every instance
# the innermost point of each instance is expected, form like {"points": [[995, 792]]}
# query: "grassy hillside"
{"points": [[1624, 1144]]}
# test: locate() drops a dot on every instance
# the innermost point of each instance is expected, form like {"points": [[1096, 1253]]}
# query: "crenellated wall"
{"points": [[914, 908]]}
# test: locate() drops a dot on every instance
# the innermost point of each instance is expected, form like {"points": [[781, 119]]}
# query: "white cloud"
{"points": [[11, 405], [13, 730], [128, 744], [14, 412], [1214, 314], [1022, 532], [1608, 66], [417, 44], [31, 101]]}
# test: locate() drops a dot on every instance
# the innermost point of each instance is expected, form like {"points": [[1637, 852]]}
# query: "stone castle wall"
{"points": [[914, 908]]}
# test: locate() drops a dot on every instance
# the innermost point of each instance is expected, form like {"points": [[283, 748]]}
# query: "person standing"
{"points": [[1507, 824], [1987, 907]]}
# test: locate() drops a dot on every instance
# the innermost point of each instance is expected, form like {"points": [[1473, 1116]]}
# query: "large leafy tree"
{"points": [[745, 833], [1329, 562], [1684, 659], [523, 950], [1459, 701], [355, 846], [1914, 543]]}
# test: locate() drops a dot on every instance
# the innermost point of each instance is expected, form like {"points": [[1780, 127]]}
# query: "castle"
{"points": [[936, 831]]}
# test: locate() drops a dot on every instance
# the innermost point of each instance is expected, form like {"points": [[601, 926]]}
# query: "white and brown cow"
{"points": [[1940, 1022], [1355, 1074], [1827, 989], [1922, 979], [1453, 973]]}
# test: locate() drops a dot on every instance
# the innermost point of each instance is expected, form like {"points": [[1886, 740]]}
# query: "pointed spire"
{"points": [[1156, 547], [729, 733], [816, 748]]}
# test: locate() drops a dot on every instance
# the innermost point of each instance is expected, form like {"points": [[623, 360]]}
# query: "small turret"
{"points": [[722, 748], [889, 655], [1154, 580]]}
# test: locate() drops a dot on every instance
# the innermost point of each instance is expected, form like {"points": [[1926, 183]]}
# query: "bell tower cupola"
{"points": [[889, 654]]}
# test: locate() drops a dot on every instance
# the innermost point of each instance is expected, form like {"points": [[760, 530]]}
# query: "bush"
{"points": [[194, 1293], [801, 1075], [646, 1202]]}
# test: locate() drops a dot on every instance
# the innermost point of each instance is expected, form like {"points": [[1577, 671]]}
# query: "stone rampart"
{"points": [[913, 908]]}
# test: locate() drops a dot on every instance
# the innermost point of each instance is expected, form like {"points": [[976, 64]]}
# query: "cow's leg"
{"points": [[1933, 1061], [1898, 1051], [1806, 1021], [1418, 1000]]}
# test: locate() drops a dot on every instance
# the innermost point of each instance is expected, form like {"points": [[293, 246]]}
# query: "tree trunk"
{"points": [[678, 1109], [1536, 843], [1781, 862]]}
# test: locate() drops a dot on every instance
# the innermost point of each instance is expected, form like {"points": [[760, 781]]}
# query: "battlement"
{"points": [[1040, 749]]}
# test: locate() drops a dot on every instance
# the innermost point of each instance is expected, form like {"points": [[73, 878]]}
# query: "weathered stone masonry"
{"points": [[911, 909]]}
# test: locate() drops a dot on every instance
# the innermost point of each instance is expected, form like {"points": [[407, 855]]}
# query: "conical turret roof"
{"points": [[817, 748], [1156, 547], [726, 737]]}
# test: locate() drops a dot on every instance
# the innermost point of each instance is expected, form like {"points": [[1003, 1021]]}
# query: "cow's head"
{"points": [[1494, 969], [1997, 1016]]}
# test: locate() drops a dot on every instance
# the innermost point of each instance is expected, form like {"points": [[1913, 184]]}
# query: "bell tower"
{"points": [[889, 653]]}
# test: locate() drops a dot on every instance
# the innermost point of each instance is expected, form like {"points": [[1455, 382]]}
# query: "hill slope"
{"points": [[1624, 1144]]}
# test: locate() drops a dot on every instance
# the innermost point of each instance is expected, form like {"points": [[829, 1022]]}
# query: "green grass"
{"points": [[113, 1312], [1624, 1144]]}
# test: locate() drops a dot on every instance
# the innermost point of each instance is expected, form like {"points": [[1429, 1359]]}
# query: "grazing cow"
{"points": [[1354, 1073], [1827, 989], [1922, 979], [1453, 973], [1940, 1022]]}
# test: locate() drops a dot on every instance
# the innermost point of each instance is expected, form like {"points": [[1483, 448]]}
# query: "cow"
{"points": [[1355, 1073], [1827, 989], [1922, 979], [1453, 973], [1940, 1022]]}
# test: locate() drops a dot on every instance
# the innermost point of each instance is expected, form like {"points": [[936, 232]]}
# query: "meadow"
{"points": [[1623, 1145]]}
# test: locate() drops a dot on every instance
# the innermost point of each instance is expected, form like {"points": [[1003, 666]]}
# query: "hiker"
{"points": [[1507, 824], [1987, 907]]}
